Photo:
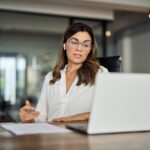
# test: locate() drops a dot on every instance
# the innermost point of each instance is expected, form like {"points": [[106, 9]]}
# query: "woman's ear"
{"points": [[64, 46]]}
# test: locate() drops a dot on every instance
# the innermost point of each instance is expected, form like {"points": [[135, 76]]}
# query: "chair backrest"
{"points": [[112, 63]]}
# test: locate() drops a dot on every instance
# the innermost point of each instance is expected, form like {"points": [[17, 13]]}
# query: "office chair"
{"points": [[112, 63]]}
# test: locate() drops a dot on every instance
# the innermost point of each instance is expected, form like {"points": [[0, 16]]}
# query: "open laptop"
{"points": [[121, 103]]}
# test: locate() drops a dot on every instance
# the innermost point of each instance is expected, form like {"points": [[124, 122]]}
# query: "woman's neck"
{"points": [[72, 68]]}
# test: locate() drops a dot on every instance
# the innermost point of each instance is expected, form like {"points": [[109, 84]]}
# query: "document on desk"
{"points": [[33, 128]]}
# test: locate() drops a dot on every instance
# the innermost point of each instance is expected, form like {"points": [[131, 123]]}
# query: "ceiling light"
{"points": [[108, 33]]}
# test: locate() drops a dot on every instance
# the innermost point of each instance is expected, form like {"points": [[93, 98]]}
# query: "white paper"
{"points": [[33, 128]]}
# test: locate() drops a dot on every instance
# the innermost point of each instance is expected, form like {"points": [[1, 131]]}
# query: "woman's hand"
{"points": [[28, 113], [78, 118]]}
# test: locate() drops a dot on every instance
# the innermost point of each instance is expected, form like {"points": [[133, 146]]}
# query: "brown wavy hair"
{"points": [[88, 70]]}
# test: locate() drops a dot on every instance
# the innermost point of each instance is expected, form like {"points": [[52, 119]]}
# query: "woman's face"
{"points": [[78, 47]]}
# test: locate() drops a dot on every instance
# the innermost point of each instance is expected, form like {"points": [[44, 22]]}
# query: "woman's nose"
{"points": [[79, 47]]}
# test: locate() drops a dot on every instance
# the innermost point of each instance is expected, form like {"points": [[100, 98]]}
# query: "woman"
{"points": [[67, 90]]}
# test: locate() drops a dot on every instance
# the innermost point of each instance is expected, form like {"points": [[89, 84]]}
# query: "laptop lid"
{"points": [[121, 103]]}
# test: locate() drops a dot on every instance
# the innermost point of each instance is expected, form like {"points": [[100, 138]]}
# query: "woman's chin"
{"points": [[77, 62]]}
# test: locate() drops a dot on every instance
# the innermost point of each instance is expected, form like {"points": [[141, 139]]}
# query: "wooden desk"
{"points": [[75, 141]]}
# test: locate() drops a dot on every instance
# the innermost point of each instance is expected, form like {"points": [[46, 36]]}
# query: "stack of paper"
{"points": [[33, 128]]}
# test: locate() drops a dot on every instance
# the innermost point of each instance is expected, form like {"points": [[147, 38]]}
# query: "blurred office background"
{"points": [[31, 30]]}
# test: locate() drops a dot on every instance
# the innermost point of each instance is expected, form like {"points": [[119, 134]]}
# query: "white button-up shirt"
{"points": [[54, 102]]}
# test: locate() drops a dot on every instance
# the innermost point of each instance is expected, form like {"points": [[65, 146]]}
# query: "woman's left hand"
{"points": [[74, 118]]}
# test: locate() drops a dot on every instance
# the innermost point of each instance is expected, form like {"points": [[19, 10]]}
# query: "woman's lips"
{"points": [[77, 56]]}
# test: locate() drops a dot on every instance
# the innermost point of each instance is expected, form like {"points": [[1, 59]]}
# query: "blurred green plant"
{"points": [[2, 82]]}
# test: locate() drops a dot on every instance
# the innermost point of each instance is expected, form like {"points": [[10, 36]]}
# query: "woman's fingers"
{"points": [[30, 117], [36, 113], [27, 108], [78, 117], [27, 103], [28, 113]]}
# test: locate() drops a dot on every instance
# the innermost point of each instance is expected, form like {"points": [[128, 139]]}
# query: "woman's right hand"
{"points": [[28, 113]]}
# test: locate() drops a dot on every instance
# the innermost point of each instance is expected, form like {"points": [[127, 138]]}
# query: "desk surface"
{"points": [[76, 141]]}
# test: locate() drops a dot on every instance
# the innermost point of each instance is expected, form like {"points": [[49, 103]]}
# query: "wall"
{"points": [[141, 52], [134, 47]]}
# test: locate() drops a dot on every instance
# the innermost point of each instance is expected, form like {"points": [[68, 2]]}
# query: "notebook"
{"points": [[121, 103]]}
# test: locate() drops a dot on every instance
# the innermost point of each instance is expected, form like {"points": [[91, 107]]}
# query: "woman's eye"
{"points": [[86, 45], [74, 42]]}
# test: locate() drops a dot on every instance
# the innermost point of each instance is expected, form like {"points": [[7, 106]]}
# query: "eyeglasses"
{"points": [[75, 43]]}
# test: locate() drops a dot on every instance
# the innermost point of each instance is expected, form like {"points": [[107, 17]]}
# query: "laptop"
{"points": [[121, 103]]}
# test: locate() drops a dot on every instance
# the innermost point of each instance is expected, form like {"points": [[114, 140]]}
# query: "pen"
{"points": [[28, 110]]}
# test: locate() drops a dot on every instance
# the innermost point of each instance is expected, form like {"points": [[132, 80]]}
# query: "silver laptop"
{"points": [[121, 103]]}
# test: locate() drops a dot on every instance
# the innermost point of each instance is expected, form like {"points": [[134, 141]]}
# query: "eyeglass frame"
{"points": [[81, 43]]}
